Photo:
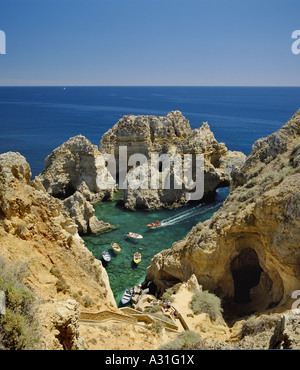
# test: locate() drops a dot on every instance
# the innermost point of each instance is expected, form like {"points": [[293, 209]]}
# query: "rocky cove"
{"points": [[247, 253]]}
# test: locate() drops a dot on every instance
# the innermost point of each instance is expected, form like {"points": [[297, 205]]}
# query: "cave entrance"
{"points": [[246, 271]]}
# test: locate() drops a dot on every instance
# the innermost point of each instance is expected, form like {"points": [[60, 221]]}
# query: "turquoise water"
{"points": [[176, 223]]}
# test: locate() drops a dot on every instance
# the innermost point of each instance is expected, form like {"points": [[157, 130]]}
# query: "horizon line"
{"points": [[65, 86]]}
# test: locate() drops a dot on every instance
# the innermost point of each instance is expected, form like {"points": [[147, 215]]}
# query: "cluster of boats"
{"points": [[137, 257]]}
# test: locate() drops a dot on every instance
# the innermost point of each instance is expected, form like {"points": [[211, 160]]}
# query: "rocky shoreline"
{"points": [[247, 254]]}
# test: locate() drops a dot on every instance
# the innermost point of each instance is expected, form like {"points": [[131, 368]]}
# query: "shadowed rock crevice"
{"points": [[246, 272]]}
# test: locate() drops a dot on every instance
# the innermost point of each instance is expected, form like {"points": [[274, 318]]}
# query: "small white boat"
{"points": [[127, 296], [134, 235], [106, 256]]}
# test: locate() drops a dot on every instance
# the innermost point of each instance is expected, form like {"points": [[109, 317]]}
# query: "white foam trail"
{"points": [[181, 215], [186, 215]]}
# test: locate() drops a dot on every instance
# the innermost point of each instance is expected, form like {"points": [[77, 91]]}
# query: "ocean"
{"points": [[36, 120]]}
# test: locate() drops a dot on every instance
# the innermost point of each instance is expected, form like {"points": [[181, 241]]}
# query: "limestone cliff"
{"points": [[83, 214], [60, 325], [71, 166], [70, 173], [35, 229], [170, 135], [248, 252]]}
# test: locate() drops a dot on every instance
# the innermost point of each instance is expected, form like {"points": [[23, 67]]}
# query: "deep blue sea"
{"points": [[36, 120]]}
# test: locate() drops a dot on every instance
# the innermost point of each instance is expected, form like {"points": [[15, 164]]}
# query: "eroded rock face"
{"points": [[171, 136], [248, 252], [83, 213], [75, 166], [145, 134], [72, 173], [36, 229], [60, 323]]}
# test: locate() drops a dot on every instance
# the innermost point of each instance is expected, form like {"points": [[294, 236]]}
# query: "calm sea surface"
{"points": [[36, 120]]}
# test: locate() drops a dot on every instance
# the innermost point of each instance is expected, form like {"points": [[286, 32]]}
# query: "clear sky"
{"points": [[149, 42]]}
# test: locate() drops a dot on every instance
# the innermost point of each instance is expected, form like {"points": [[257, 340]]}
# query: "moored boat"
{"points": [[134, 235], [106, 256], [137, 257], [116, 247], [127, 296]]}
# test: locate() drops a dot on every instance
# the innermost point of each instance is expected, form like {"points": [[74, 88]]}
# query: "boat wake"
{"points": [[185, 215]]}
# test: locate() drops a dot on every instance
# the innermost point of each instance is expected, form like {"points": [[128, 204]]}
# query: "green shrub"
{"points": [[252, 182], [269, 176], [157, 326], [153, 309], [170, 291], [162, 317], [61, 284], [254, 325], [19, 327], [249, 327], [168, 296], [185, 340], [205, 302], [87, 301]]}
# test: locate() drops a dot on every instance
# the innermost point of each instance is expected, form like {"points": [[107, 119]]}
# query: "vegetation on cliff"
{"points": [[19, 326], [207, 303]]}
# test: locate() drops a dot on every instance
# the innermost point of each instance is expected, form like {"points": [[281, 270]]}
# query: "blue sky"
{"points": [[149, 42]]}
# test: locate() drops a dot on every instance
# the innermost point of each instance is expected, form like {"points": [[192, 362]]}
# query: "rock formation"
{"points": [[83, 213], [72, 173], [73, 165], [60, 325], [170, 135], [35, 229], [248, 252]]}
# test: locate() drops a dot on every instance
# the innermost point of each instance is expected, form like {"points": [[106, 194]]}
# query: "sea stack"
{"points": [[70, 174], [169, 135]]}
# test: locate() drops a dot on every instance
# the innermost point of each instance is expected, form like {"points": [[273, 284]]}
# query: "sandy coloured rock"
{"points": [[73, 172], [168, 136], [248, 252], [74, 166], [36, 229], [60, 325]]}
